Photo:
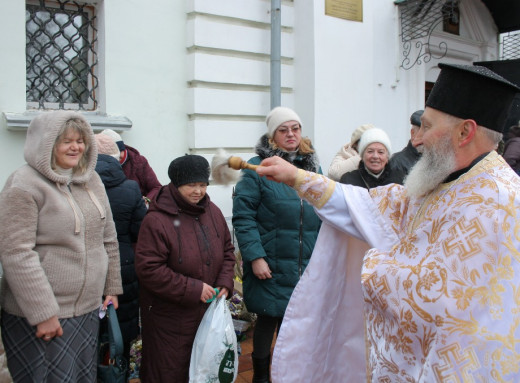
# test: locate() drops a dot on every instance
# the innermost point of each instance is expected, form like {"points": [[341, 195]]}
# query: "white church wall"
{"points": [[12, 83], [355, 77], [145, 76]]}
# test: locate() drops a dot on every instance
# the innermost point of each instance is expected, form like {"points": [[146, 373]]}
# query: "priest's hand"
{"points": [[279, 170]]}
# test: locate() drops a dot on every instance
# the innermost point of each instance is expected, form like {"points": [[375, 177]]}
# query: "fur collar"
{"points": [[308, 161]]}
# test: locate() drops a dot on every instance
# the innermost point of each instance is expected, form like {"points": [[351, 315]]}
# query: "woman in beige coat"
{"points": [[59, 252]]}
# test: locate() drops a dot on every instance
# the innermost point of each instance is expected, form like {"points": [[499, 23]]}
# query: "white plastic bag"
{"points": [[214, 356]]}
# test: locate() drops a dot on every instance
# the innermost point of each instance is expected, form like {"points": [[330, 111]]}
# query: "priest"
{"points": [[436, 297]]}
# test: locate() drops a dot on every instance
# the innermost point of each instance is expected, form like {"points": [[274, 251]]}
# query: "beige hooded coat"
{"points": [[58, 244]]}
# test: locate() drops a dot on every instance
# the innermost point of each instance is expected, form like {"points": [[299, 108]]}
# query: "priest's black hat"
{"points": [[473, 92]]}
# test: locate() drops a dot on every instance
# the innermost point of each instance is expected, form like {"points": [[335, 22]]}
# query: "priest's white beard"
{"points": [[435, 165]]}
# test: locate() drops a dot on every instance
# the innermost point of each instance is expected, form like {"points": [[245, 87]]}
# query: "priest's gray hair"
{"points": [[492, 135]]}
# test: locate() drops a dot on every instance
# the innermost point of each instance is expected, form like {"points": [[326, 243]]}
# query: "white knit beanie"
{"points": [[278, 116], [374, 135]]}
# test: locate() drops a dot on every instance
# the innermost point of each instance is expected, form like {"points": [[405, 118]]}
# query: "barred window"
{"points": [[61, 57], [510, 45]]}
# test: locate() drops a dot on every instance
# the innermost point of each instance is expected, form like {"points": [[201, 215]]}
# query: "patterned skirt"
{"points": [[69, 358]]}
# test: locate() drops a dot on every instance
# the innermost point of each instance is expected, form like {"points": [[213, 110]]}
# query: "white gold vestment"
{"points": [[440, 288]]}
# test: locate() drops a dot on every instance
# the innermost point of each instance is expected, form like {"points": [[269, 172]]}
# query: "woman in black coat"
{"points": [[128, 209], [374, 168]]}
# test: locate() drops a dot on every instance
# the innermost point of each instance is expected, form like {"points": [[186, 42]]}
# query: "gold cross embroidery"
{"points": [[457, 367], [462, 238]]}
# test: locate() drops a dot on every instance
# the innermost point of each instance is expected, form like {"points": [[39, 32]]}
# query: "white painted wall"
{"points": [[193, 75], [12, 82], [348, 72], [228, 45], [145, 74]]}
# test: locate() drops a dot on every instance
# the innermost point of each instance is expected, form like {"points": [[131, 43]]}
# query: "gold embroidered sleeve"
{"points": [[314, 188]]}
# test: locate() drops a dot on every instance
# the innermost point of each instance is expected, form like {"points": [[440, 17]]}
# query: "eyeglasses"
{"points": [[284, 130]]}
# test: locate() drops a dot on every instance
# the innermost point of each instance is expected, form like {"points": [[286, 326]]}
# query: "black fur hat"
{"points": [[473, 92], [187, 169]]}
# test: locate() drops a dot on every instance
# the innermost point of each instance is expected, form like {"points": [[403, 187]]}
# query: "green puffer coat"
{"points": [[271, 221]]}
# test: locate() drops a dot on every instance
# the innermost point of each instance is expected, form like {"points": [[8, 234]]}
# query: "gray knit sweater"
{"points": [[58, 244]]}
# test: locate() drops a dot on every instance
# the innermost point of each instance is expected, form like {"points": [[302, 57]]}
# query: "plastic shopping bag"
{"points": [[214, 356]]}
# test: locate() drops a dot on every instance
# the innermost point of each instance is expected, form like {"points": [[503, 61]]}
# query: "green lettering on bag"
{"points": [[226, 371]]}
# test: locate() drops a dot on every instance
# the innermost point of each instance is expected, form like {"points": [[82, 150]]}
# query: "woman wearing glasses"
{"points": [[276, 231]]}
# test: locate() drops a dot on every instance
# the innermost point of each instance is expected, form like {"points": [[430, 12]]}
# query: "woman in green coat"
{"points": [[276, 232]]}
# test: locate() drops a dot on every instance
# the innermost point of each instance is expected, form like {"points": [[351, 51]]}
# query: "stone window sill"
{"points": [[99, 122]]}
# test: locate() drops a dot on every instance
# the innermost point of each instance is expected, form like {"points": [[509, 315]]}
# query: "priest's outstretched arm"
{"points": [[348, 208]]}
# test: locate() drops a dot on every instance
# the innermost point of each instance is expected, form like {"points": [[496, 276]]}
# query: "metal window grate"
{"points": [[61, 59], [510, 45], [419, 18]]}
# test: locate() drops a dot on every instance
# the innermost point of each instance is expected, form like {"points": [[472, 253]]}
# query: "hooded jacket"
{"points": [[58, 243], [272, 222], [180, 247], [128, 209]]}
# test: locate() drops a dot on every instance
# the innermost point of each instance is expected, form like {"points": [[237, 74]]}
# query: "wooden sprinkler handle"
{"points": [[237, 163]]}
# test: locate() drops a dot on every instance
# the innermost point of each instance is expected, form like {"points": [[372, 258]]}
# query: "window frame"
{"points": [[92, 78]]}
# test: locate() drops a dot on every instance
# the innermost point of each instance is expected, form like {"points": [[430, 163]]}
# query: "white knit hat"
{"points": [[374, 135], [278, 116]]}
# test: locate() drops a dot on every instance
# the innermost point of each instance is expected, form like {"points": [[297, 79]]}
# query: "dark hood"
{"points": [[109, 170]]}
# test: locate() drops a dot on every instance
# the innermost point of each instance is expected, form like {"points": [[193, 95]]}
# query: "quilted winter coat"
{"points": [[272, 222], [180, 246], [128, 210]]}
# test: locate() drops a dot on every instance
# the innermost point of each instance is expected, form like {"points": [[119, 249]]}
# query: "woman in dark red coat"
{"points": [[184, 252]]}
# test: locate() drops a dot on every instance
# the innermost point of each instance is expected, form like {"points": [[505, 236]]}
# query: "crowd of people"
{"points": [[394, 267]]}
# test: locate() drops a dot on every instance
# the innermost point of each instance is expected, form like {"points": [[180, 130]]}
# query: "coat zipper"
{"points": [[76, 303]]}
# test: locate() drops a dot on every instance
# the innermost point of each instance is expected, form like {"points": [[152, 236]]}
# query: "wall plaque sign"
{"points": [[345, 9]]}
